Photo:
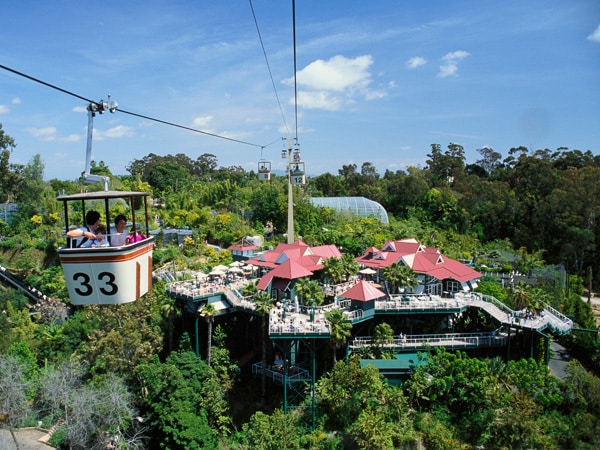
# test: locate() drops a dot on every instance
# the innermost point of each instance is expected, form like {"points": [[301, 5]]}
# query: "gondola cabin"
{"points": [[264, 170], [110, 274], [297, 173]]}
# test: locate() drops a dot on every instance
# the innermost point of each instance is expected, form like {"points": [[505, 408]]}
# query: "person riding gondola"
{"points": [[84, 237]]}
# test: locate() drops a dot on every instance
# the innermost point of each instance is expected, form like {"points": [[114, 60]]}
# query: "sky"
{"points": [[377, 81]]}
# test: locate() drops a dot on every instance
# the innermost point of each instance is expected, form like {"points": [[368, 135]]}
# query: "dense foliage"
{"points": [[128, 375]]}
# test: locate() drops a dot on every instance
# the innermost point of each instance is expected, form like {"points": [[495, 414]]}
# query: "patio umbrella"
{"points": [[217, 272], [368, 271], [236, 264], [221, 267]]}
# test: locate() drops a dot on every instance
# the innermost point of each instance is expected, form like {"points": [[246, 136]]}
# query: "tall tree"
{"points": [[341, 330], [208, 311], [9, 173], [333, 269], [400, 275], [264, 302]]}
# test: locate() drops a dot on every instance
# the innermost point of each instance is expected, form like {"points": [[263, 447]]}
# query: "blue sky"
{"points": [[378, 81]]}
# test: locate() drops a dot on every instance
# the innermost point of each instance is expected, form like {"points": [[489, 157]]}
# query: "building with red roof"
{"points": [[437, 273], [242, 250], [288, 262]]}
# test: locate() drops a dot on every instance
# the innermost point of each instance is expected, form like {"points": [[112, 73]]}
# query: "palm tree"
{"points": [[350, 266], [169, 310], [333, 269], [264, 303], [525, 296], [208, 311], [408, 278], [520, 295], [308, 289], [341, 330], [383, 334], [400, 275]]}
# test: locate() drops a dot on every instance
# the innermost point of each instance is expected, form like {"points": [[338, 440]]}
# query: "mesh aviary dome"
{"points": [[360, 206]]}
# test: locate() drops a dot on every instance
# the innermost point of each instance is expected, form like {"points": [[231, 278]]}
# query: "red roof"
{"points": [[311, 258], [288, 270], [423, 260], [292, 261], [242, 248], [364, 291]]}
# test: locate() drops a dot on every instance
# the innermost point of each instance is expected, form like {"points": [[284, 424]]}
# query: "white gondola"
{"points": [[297, 174], [108, 275], [264, 170]]}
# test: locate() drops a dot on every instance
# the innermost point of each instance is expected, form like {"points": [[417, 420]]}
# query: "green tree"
{"points": [[168, 175], [10, 178], [264, 303], [333, 269], [383, 335], [174, 395], [272, 432], [348, 390], [341, 330], [400, 275], [208, 311], [308, 290]]}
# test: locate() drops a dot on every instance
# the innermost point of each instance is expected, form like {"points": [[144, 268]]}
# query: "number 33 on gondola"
{"points": [[108, 274]]}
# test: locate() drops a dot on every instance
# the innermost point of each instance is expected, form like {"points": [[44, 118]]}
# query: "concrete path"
{"points": [[559, 360], [28, 439]]}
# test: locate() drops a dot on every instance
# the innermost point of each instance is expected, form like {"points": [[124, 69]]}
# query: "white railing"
{"points": [[448, 340]]}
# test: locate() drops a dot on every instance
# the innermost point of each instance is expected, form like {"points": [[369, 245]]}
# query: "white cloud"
{"points": [[337, 74], [456, 56], [4, 109], [79, 109], [203, 122], [16, 101], [319, 100], [44, 134], [71, 138], [450, 63], [448, 69], [336, 82], [595, 36], [113, 133], [415, 62]]}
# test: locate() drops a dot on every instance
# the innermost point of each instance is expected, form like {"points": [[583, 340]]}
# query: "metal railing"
{"points": [[448, 340]]}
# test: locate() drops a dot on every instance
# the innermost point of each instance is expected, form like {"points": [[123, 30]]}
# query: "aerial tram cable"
{"points": [[295, 68], [296, 171], [268, 66], [100, 107]]}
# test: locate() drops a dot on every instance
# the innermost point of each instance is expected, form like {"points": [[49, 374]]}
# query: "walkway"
{"points": [[451, 341], [548, 318], [289, 320]]}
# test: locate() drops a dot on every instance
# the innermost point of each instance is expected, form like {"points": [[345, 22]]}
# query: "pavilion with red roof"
{"points": [[437, 273], [363, 295]]}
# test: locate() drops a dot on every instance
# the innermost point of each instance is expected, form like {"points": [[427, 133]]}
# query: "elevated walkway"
{"points": [[289, 321], [419, 342], [277, 373]]}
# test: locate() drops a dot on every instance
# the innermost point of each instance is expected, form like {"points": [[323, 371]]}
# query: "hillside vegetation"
{"points": [[127, 376]]}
